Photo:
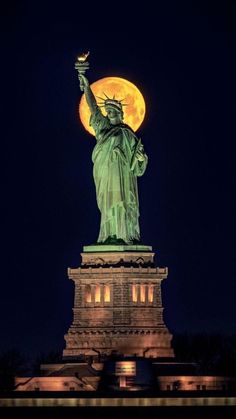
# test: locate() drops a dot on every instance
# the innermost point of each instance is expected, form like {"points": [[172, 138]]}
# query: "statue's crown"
{"points": [[111, 102]]}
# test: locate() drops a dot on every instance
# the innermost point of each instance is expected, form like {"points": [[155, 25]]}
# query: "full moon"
{"points": [[134, 111]]}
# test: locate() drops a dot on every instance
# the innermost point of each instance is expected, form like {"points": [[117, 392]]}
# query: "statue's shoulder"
{"points": [[128, 131], [125, 126]]}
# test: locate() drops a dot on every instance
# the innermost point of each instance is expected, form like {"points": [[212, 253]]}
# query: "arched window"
{"points": [[150, 293], [134, 293], [97, 294], [88, 294], [107, 294]]}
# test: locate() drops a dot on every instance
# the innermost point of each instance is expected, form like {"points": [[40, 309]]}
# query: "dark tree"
{"points": [[51, 357], [12, 363], [214, 354]]}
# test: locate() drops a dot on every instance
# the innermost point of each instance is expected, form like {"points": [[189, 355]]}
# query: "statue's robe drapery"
{"points": [[115, 175]]}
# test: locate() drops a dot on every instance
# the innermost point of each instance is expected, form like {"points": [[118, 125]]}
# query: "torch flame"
{"points": [[82, 58]]}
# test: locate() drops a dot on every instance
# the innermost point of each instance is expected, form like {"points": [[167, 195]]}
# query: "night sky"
{"points": [[183, 58]]}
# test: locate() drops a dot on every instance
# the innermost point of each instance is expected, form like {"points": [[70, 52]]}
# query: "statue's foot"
{"points": [[113, 241], [135, 241]]}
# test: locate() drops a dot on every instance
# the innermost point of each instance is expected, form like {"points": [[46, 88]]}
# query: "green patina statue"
{"points": [[118, 159]]}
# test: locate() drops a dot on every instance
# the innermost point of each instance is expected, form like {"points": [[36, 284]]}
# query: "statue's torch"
{"points": [[82, 65]]}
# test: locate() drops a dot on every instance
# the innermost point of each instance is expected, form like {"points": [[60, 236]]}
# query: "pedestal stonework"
{"points": [[118, 305]]}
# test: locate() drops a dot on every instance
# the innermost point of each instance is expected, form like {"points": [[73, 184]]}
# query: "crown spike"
{"points": [[106, 95], [101, 98]]}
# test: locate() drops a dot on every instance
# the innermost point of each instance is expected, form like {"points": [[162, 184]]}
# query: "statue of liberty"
{"points": [[118, 159]]}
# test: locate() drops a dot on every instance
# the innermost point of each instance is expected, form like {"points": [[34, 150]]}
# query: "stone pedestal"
{"points": [[118, 305]]}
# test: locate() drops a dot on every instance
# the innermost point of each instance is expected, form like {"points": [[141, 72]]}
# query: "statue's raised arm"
{"points": [[84, 85]]}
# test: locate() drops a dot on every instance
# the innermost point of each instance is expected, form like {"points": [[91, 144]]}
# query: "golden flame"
{"points": [[82, 58]]}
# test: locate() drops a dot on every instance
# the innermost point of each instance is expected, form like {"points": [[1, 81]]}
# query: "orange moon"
{"points": [[134, 112]]}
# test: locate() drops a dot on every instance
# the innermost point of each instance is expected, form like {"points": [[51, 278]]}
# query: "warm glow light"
{"points": [[134, 112], [126, 368], [88, 295], [107, 294], [142, 293], [122, 381], [150, 293], [97, 294], [134, 293]]}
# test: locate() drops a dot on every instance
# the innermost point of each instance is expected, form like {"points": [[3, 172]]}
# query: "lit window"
{"points": [[107, 294], [150, 293], [97, 294], [126, 368], [134, 293], [142, 293], [88, 294]]}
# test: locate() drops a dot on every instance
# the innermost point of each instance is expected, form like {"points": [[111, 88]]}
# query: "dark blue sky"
{"points": [[183, 58]]}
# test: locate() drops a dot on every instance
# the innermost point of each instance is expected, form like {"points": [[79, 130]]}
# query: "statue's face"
{"points": [[114, 116]]}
